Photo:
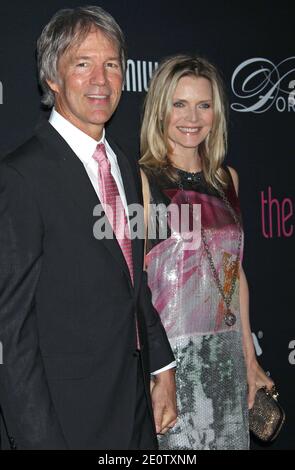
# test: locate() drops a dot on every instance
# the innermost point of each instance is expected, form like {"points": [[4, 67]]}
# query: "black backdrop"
{"points": [[242, 39]]}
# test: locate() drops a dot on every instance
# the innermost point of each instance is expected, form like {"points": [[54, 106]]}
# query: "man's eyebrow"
{"points": [[87, 57], [79, 57], [114, 58]]}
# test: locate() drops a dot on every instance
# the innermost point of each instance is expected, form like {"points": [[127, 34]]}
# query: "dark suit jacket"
{"points": [[67, 306]]}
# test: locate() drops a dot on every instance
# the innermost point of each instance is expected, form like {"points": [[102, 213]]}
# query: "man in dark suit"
{"points": [[80, 336]]}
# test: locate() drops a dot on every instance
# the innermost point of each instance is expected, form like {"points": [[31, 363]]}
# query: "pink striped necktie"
{"points": [[114, 208]]}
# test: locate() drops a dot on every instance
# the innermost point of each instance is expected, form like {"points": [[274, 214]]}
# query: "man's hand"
{"points": [[163, 394]]}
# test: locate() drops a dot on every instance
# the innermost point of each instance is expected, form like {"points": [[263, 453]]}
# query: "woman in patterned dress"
{"points": [[200, 290]]}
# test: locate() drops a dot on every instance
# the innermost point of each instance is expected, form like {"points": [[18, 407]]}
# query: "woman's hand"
{"points": [[256, 378]]}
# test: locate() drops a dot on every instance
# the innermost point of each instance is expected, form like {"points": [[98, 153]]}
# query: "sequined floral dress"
{"points": [[211, 373]]}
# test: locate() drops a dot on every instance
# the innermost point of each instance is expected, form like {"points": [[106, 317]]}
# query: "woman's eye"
{"points": [[205, 105], [82, 64], [178, 104]]}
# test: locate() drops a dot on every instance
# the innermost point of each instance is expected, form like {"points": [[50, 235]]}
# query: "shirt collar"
{"points": [[82, 144]]}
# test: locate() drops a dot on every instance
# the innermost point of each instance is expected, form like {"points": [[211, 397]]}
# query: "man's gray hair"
{"points": [[67, 27]]}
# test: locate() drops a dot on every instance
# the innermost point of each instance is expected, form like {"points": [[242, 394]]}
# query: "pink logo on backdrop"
{"points": [[276, 215]]}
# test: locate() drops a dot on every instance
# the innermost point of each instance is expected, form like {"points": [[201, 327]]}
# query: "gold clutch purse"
{"points": [[266, 417]]}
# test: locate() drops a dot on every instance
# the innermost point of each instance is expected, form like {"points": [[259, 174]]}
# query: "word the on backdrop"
{"points": [[276, 215]]}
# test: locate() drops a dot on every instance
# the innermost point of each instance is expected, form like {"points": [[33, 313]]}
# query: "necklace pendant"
{"points": [[230, 318]]}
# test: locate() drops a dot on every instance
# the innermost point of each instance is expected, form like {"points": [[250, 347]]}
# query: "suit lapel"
{"points": [[76, 182]]}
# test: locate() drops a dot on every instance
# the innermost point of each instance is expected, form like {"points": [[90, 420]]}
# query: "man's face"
{"points": [[89, 83]]}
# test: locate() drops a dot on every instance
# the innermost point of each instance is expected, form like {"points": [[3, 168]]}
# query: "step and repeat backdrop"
{"points": [[253, 44]]}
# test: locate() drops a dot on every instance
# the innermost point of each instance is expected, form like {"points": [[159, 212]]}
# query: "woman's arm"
{"points": [[256, 377]]}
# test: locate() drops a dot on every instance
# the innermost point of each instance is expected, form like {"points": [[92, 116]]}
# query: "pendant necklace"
{"points": [[229, 317]]}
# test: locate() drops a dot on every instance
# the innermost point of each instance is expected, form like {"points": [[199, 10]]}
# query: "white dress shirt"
{"points": [[84, 147]]}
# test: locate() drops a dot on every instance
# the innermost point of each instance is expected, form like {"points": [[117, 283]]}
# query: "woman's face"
{"points": [[192, 114]]}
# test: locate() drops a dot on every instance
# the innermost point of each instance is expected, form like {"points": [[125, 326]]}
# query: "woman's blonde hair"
{"points": [[157, 110]]}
